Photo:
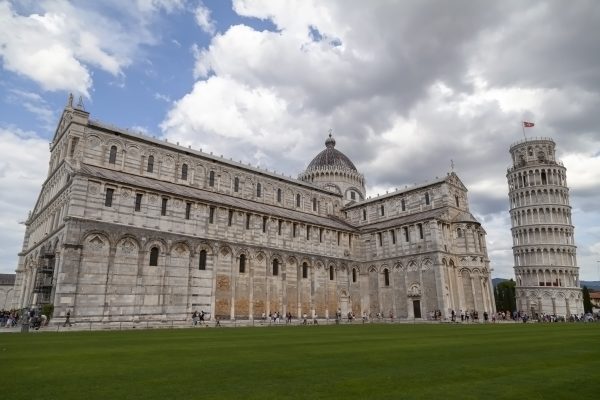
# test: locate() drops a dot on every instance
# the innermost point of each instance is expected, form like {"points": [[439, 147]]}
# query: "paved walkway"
{"points": [[87, 326]]}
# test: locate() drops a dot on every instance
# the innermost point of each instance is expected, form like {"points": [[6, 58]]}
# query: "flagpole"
{"points": [[523, 128]]}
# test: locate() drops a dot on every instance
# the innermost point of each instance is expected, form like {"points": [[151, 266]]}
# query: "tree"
{"points": [[505, 296], [587, 302], [48, 310]]}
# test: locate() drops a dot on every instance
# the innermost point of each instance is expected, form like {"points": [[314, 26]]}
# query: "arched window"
{"points": [[258, 190], [154, 256], [364, 214], [163, 207], [298, 200], [382, 210], [202, 262], [184, 169], [457, 201], [109, 197], [275, 267], [236, 184], [279, 195], [331, 273], [112, 157], [541, 156], [150, 167], [211, 178], [459, 232], [353, 274], [426, 199], [242, 263], [544, 180], [73, 147], [403, 205], [304, 270], [314, 204], [386, 277]]}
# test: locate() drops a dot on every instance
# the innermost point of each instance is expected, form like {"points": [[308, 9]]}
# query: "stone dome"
{"points": [[331, 158]]}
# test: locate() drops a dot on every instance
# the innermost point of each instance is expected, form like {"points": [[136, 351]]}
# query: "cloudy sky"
{"points": [[406, 87]]}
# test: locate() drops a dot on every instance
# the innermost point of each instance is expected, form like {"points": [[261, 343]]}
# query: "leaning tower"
{"points": [[547, 276]]}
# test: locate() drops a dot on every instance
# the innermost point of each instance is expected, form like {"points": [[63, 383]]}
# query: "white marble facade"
{"points": [[547, 275], [130, 228]]}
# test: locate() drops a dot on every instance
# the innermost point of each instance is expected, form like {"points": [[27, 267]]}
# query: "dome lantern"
{"points": [[331, 158]]}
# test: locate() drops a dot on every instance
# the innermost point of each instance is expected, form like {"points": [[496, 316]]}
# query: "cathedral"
{"points": [[131, 229]]}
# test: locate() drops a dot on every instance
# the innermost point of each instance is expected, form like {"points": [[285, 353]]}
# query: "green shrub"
{"points": [[48, 310]]}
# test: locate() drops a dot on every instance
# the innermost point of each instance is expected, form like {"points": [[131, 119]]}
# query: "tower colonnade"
{"points": [[545, 260]]}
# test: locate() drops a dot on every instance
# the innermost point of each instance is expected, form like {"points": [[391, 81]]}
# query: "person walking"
{"points": [[68, 320]]}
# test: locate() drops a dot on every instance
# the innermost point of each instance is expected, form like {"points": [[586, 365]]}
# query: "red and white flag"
{"points": [[528, 124]]}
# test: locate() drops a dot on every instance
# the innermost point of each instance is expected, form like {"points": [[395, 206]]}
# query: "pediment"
{"points": [[454, 180]]}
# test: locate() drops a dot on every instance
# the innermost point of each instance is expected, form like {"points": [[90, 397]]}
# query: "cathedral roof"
{"points": [[211, 197], [164, 144], [7, 279], [436, 213], [331, 158], [465, 217]]}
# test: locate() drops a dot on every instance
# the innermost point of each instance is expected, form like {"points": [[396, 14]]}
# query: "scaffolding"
{"points": [[44, 280]]}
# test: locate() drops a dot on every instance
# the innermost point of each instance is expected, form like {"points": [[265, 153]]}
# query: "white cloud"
{"points": [[232, 118], [44, 48], [203, 19], [35, 104], [407, 87], [583, 170], [141, 129], [57, 44], [150, 6], [163, 97], [499, 243], [20, 182]]}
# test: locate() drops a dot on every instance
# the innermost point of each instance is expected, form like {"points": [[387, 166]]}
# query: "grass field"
{"points": [[509, 361]]}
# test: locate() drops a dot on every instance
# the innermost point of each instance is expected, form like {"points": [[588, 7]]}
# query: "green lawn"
{"points": [[509, 361]]}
